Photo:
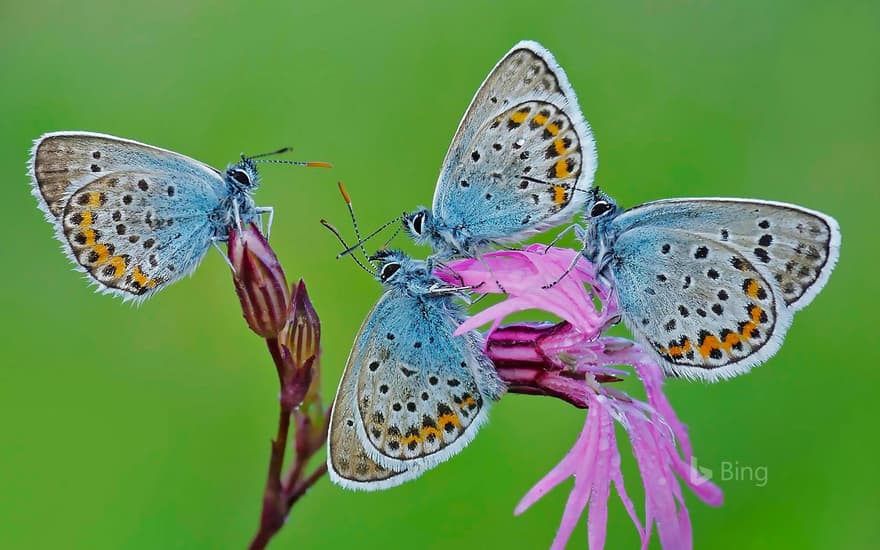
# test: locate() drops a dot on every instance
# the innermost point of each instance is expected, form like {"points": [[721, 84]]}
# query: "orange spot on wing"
{"points": [[86, 219], [139, 276], [539, 119], [678, 351], [89, 234], [103, 253], [94, 199], [752, 288], [448, 418], [558, 194], [756, 314], [118, 263], [730, 340], [409, 439], [519, 117], [467, 402], [562, 169], [553, 129], [710, 343], [559, 144]]}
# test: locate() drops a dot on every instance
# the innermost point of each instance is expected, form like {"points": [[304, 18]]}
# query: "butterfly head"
{"points": [[419, 224], [396, 268], [242, 176], [599, 207]]}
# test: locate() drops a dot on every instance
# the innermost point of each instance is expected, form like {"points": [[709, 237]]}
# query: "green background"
{"points": [[148, 427]]}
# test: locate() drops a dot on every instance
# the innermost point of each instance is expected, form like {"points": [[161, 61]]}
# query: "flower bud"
{"points": [[259, 281]]}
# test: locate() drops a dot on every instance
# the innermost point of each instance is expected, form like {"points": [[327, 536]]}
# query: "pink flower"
{"points": [[572, 361]]}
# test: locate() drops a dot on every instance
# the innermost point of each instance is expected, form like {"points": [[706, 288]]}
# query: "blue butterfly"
{"points": [[412, 395], [521, 154], [710, 285], [133, 217]]}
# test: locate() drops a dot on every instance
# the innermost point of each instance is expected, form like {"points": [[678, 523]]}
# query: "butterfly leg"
{"points": [[570, 267], [577, 228], [260, 210], [215, 242], [236, 214], [450, 270]]}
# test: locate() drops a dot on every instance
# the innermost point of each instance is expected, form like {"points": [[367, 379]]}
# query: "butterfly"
{"points": [[518, 159], [412, 395], [135, 218], [710, 285]]}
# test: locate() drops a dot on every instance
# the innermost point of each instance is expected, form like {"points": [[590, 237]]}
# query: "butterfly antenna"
{"points": [[357, 232], [335, 231], [313, 164], [393, 235], [273, 153]]}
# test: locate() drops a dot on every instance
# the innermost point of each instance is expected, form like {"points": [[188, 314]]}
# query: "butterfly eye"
{"points": [[416, 223], [388, 270], [241, 177], [599, 208]]}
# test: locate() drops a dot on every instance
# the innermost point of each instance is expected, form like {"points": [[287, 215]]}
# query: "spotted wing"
{"points": [[416, 393], [348, 463], [520, 152], [796, 248], [702, 307], [135, 232], [63, 161]]}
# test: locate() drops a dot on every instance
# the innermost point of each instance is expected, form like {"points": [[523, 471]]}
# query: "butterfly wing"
{"points": [[135, 232], [415, 394], [703, 308], [796, 248], [61, 161], [524, 122]]}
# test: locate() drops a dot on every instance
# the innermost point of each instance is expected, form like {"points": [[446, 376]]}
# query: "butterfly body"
{"points": [[134, 217], [710, 285], [412, 395], [519, 161]]}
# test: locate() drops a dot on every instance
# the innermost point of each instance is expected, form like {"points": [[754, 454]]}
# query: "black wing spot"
{"points": [[762, 255], [383, 389], [701, 312], [717, 309], [96, 155], [142, 185], [464, 183], [452, 383], [475, 156], [764, 224], [432, 380], [687, 282], [683, 311], [765, 240], [373, 366], [411, 407], [396, 407], [725, 234], [670, 325], [661, 277], [722, 295], [407, 372], [95, 168], [712, 274], [389, 336], [665, 248], [701, 253], [496, 146]]}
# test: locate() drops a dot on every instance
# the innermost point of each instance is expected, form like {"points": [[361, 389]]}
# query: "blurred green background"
{"points": [[148, 427]]}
